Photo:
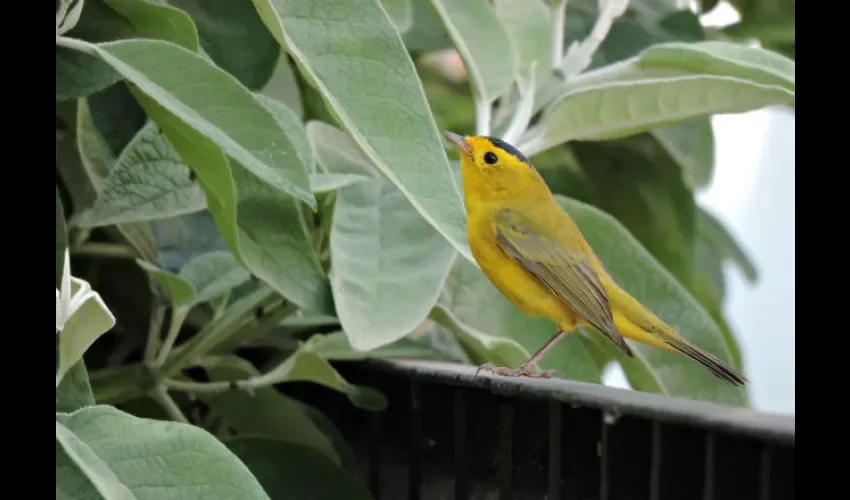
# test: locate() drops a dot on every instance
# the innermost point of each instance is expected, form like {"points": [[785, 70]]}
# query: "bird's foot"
{"points": [[522, 371]]}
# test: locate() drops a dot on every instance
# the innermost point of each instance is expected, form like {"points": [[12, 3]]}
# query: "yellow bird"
{"points": [[533, 252]]}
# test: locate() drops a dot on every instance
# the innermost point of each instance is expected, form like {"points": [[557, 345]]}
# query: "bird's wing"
{"points": [[567, 274]]}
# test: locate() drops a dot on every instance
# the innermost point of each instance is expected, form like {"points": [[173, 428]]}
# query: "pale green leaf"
{"points": [[61, 237], [401, 13], [324, 182], [724, 59], [388, 264], [378, 100], [158, 20], [335, 346], [283, 87], [307, 366], [335, 153], [179, 290], [149, 181], [625, 107], [481, 347], [292, 125], [483, 43], [213, 274], [719, 238], [691, 144], [213, 103], [106, 453], [530, 29], [74, 392], [91, 320], [265, 411], [638, 273]]}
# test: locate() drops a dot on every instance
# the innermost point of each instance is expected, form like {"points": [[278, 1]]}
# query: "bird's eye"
{"points": [[490, 158]]}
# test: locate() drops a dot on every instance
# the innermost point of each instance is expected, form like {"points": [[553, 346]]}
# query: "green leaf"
{"points": [[335, 153], [427, 32], [400, 12], [723, 59], [638, 273], [722, 242], [233, 35], [305, 365], [97, 161], [266, 412], [149, 181], [481, 347], [493, 321], [181, 239], [626, 105], [288, 470], [691, 144], [335, 346], [74, 392], [483, 43], [116, 115], [325, 183], [205, 98], [283, 86], [530, 29], [178, 289], [91, 320], [378, 100], [213, 274], [291, 123], [637, 182], [102, 452], [388, 263], [61, 237], [157, 20]]}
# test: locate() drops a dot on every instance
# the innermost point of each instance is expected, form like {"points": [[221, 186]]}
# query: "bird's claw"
{"points": [[523, 371]]}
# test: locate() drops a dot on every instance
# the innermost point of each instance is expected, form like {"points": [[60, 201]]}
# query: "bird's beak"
{"points": [[458, 141]]}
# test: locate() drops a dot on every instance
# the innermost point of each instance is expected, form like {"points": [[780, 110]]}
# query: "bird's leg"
{"points": [[529, 368]]}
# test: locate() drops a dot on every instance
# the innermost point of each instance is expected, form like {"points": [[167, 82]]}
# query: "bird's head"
{"points": [[492, 169]]}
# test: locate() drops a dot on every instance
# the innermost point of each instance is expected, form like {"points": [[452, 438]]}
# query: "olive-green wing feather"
{"points": [[567, 274]]}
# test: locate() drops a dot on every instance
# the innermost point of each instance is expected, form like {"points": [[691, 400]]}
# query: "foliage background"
{"points": [[249, 214]]}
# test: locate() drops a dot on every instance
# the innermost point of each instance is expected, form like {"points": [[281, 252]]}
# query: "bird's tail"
{"points": [[636, 322]]}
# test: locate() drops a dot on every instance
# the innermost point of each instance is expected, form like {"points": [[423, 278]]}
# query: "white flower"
{"points": [[73, 294]]}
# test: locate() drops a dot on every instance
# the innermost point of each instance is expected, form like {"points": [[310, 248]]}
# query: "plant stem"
{"points": [[152, 342], [215, 332], [249, 384], [177, 319], [74, 44], [110, 250], [559, 11], [483, 113], [161, 396]]}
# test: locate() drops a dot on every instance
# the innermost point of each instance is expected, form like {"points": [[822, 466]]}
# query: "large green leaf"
{"points": [[288, 470], [74, 392], [691, 144], [491, 328], [149, 181], [645, 278], [401, 13], [79, 75], [619, 102], [283, 86], [724, 59], [529, 27], [198, 95], [233, 35], [483, 43], [427, 32], [335, 153], [264, 412], [102, 452], [378, 100], [636, 181], [380, 246]]}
